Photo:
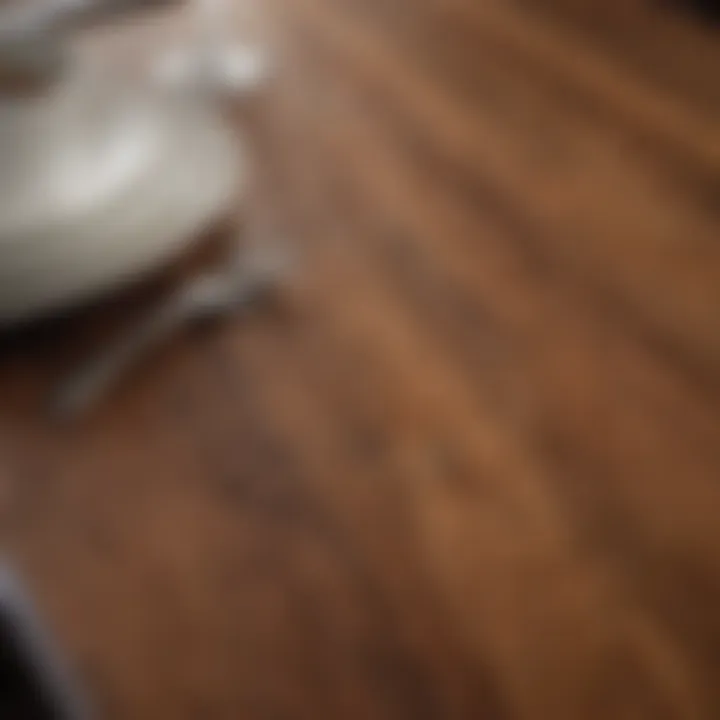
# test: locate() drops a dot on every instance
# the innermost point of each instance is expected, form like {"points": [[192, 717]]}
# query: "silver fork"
{"points": [[211, 295]]}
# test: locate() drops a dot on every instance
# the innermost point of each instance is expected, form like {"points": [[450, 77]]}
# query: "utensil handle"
{"points": [[91, 381], [36, 680]]}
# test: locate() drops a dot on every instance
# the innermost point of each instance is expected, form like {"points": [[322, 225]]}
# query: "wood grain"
{"points": [[468, 464]]}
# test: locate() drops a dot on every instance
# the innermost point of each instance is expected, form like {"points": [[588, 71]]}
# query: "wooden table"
{"points": [[468, 464]]}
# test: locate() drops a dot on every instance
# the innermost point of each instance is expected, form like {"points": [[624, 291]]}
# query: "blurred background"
{"points": [[466, 462]]}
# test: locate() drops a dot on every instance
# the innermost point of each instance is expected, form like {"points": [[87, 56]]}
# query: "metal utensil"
{"points": [[245, 279]]}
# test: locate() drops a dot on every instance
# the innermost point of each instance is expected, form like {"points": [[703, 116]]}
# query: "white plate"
{"points": [[117, 209]]}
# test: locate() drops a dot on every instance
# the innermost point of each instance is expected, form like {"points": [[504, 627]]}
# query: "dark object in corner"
{"points": [[708, 9], [34, 684]]}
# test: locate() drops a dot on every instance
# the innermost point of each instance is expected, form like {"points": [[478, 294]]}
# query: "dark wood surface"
{"points": [[467, 465]]}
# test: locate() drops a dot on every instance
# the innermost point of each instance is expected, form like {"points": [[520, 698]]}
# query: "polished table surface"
{"points": [[466, 463]]}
